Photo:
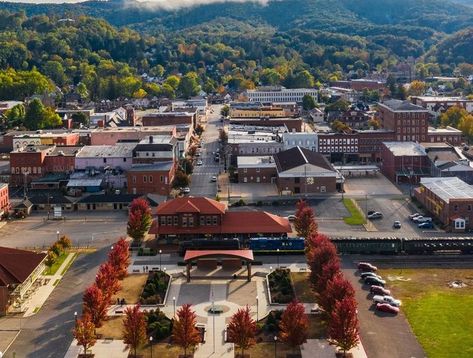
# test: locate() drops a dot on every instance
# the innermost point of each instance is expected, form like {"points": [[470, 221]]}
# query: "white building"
{"points": [[304, 140], [278, 94]]}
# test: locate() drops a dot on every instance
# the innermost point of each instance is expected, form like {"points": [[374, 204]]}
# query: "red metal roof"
{"points": [[200, 254], [233, 222], [192, 204], [17, 265]]}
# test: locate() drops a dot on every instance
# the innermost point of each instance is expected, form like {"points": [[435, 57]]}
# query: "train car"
{"points": [[268, 244], [377, 245], [210, 244], [444, 245]]}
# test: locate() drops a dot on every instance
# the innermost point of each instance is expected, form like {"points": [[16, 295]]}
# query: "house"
{"points": [[19, 271], [260, 169], [154, 178], [200, 217], [404, 162], [316, 115], [302, 171], [450, 200], [4, 200]]}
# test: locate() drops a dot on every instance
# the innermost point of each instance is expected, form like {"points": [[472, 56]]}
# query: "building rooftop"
{"points": [[298, 156], [155, 167], [448, 188], [191, 204], [256, 162], [399, 149], [118, 150], [17, 265], [397, 105], [446, 130], [443, 99], [67, 151]]}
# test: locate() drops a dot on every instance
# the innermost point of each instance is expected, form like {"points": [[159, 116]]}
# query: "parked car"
{"points": [[412, 216], [424, 219], [370, 212], [366, 266], [213, 179], [386, 307], [374, 281], [426, 225], [199, 162], [378, 290], [291, 217], [375, 215], [197, 154], [397, 224], [387, 299], [316, 309], [364, 275], [186, 190]]}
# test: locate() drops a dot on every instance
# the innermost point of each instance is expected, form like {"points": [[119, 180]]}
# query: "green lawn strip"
{"points": [[302, 287], [36, 309], [69, 264], [356, 217], [53, 269], [442, 322]]}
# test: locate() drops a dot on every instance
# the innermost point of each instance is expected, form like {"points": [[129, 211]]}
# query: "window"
{"points": [[469, 207], [245, 170], [150, 179], [169, 220], [133, 179], [161, 178], [144, 178], [162, 220], [208, 220], [459, 224], [202, 220], [176, 220], [124, 159], [105, 160], [214, 220], [455, 208]]}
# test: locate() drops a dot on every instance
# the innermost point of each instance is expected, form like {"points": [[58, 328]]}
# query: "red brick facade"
{"points": [[4, 198], [392, 164], [147, 181], [26, 162], [257, 175]]}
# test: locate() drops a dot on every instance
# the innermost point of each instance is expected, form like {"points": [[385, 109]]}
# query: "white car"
{"points": [[186, 190], [387, 299], [291, 217], [199, 162], [213, 179], [412, 216]]}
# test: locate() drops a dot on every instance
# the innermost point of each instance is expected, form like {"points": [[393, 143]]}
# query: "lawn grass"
{"points": [[112, 328], [356, 217], [439, 316], [132, 285], [69, 264], [266, 349], [49, 271], [160, 350], [302, 287]]}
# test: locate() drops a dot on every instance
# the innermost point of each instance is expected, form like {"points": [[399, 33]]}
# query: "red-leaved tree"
{"points": [[139, 219], [119, 258], [305, 223], [294, 325], [134, 328], [107, 280], [343, 330], [336, 290], [184, 332], [84, 333], [321, 252], [242, 329], [329, 271], [95, 305]]}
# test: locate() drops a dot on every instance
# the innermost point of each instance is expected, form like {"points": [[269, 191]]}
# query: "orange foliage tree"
{"points": [[95, 305], [305, 223], [119, 257], [84, 333], [184, 332], [343, 330], [294, 325], [107, 280], [134, 328], [242, 329]]}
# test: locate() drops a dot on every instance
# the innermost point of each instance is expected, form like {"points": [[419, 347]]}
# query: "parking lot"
{"points": [[370, 185]]}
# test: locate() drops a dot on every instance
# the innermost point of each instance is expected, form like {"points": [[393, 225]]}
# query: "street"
{"points": [[201, 184]]}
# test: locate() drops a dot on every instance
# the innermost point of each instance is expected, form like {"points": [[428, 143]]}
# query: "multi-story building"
{"points": [[60, 159], [448, 134], [439, 104], [292, 124], [449, 161], [113, 135], [404, 162], [408, 121], [99, 157], [4, 199], [170, 118], [156, 149], [450, 200], [252, 141], [256, 169], [18, 139], [26, 164], [153, 178], [259, 110], [304, 140], [278, 94], [355, 118], [200, 217]]}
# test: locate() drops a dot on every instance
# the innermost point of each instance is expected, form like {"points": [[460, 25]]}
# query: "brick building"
{"points": [[113, 135], [292, 124], [448, 134], [440, 104], [153, 178], [301, 171], [16, 139], [170, 118], [404, 162], [256, 169], [4, 199], [153, 149], [450, 200], [26, 164], [60, 159], [200, 217], [408, 121]]}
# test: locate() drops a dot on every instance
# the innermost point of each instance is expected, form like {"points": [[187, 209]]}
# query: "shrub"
{"points": [[155, 288], [280, 286], [159, 326]]}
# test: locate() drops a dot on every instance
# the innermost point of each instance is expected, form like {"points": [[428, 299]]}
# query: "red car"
{"points": [[366, 266], [379, 290], [386, 307]]}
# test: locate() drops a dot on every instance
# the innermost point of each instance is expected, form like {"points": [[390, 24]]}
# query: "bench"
{"points": [[138, 270]]}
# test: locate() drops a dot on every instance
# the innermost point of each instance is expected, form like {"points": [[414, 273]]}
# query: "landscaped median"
{"points": [[356, 216], [438, 306]]}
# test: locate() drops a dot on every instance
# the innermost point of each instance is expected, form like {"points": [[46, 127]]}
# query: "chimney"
{"points": [[150, 139]]}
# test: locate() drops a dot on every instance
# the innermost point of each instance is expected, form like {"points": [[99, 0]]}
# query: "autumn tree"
{"points": [[95, 305], [416, 88], [65, 242], [139, 219], [330, 270], [50, 259], [294, 325], [134, 328], [84, 333], [107, 280], [343, 330], [320, 253], [336, 289], [242, 329], [184, 332], [119, 257], [305, 223]]}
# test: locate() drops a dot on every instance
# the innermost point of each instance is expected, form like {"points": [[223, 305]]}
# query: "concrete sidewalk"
{"points": [[42, 293], [104, 348], [320, 348]]}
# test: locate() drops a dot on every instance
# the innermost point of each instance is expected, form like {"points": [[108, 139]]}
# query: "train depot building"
{"points": [[198, 217]]}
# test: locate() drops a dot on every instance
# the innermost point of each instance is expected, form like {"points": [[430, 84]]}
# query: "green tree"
{"points": [[55, 71], [15, 116], [303, 79], [189, 85], [173, 82], [225, 111], [308, 102], [82, 90], [270, 77], [39, 117]]}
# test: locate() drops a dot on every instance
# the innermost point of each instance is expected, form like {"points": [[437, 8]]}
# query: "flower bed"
{"points": [[154, 291]]}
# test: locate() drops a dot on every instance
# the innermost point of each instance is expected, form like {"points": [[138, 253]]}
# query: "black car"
{"points": [[374, 281]]}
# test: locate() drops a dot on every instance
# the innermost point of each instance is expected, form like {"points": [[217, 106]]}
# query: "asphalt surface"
{"points": [[382, 334], [201, 184]]}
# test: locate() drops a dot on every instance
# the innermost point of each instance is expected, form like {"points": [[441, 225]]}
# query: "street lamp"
{"points": [[278, 257], [57, 234], [75, 316], [275, 346], [174, 305], [151, 345], [160, 252], [270, 269], [257, 308]]}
